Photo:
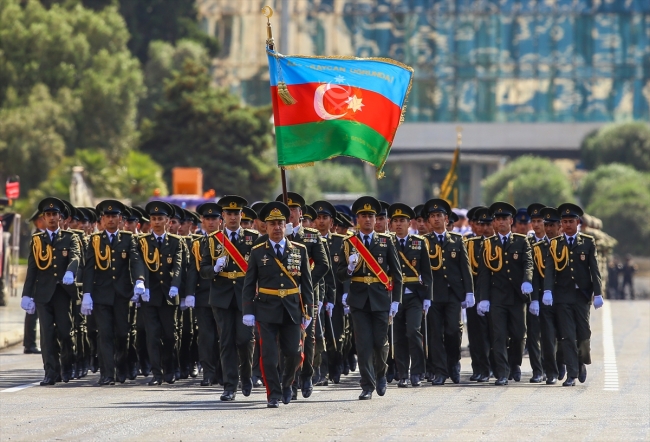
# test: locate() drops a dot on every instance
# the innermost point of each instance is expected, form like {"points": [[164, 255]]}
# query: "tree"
{"points": [[606, 176], [197, 125], [526, 180], [327, 177], [627, 143], [78, 52]]}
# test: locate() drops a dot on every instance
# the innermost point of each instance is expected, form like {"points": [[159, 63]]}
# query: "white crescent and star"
{"points": [[353, 101]]}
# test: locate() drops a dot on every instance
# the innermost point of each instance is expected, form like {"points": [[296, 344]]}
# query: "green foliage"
{"points": [[627, 143], [327, 177], [624, 208], [607, 176], [79, 57], [526, 180], [197, 125]]}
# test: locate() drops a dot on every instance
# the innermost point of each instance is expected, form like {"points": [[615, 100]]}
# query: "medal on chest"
{"points": [[416, 244], [248, 240], [382, 242], [124, 255], [293, 262]]}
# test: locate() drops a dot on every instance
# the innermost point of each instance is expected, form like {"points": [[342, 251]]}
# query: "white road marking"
{"points": [[609, 352], [18, 388]]}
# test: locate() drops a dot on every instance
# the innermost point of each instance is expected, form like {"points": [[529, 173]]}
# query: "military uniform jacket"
{"points": [[231, 280], [83, 246], [474, 246], [579, 268], [501, 279], [162, 274], [327, 286], [311, 239], [44, 272], [196, 285], [111, 270], [540, 250], [383, 249], [452, 275], [414, 259], [265, 273], [335, 245]]}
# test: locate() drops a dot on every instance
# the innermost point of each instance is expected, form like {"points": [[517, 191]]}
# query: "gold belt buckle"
{"points": [[367, 279], [232, 275], [282, 292]]}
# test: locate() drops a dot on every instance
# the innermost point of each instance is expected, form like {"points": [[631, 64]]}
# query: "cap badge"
{"points": [[567, 210], [51, 205], [435, 206], [500, 210], [232, 205], [110, 208], [535, 211], [367, 207], [320, 209], [289, 201], [398, 212], [275, 212], [209, 210], [548, 215], [155, 209], [484, 216]]}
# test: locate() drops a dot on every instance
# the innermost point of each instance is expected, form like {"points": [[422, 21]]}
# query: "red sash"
{"points": [[372, 263], [232, 251]]}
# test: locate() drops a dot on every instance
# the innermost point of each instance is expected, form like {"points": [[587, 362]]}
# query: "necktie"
{"points": [[366, 241], [110, 238], [53, 236], [160, 238], [278, 251], [233, 236], [571, 240], [503, 240], [402, 243], [440, 239]]}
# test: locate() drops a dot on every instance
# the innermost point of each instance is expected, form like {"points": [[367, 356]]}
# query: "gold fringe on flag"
{"points": [[284, 94]]}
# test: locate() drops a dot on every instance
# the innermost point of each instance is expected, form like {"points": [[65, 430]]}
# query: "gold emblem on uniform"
{"points": [[110, 207], [169, 260], [367, 207], [64, 253], [320, 209], [397, 212], [453, 254], [209, 210], [232, 205], [155, 209], [484, 216], [515, 255], [124, 255], [289, 201], [275, 212], [435, 206]]}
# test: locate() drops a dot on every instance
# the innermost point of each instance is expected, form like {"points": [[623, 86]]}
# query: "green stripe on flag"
{"points": [[307, 143]]}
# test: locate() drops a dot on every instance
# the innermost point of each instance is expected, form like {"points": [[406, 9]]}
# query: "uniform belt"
{"points": [[367, 279], [279, 292], [407, 279], [232, 275]]}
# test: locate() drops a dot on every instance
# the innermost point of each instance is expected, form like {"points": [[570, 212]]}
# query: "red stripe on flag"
{"points": [[372, 109]]}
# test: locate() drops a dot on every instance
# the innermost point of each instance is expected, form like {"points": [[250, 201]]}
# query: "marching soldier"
{"points": [[505, 280], [132, 225], [381, 219], [112, 266], [478, 329], [224, 260], [452, 285], [162, 255], [373, 296], [248, 217], [416, 300], [198, 297], [258, 224], [49, 288], [278, 270], [535, 220], [571, 279], [552, 360], [308, 216], [320, 266]]}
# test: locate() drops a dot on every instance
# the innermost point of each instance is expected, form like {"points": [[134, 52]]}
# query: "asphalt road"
{"points": [[614, 403]]}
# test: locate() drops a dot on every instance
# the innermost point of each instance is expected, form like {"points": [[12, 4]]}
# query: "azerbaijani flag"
{"points": [[340, 106]]}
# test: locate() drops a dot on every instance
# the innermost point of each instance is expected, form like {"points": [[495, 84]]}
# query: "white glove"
{"points": [[329, 307], [344, 299], [68, 278], [483, 308], [135, 298], [27, 304], [146, 297], [288, 229], [526, 288], [346, 310], [87, 305], [469, 300], [220, 264], [138, 289], [320, 305], [248, 320], [305, 323], [598, 302], [190, 301], [426, 304], [534, 308], [547, 299], [394, 306], [183, 305], [173, 292], [352, 262]]}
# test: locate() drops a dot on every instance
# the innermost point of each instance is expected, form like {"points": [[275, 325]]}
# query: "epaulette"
{"points": [[142, 235], [493, 236], [297, 244], [99, 232], [196, 236], [77, 231], [259, 245], [253, 231], [36, 233], [173, 235], [539, 243], [473, 238], [68, 232], [560, 236], [420, 237], [337, 235], [455, 233], [520, 235], [387, 235], [311, 229], [584, 235], [126, 232]]}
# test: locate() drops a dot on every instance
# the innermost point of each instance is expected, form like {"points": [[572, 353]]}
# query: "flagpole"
{"points": [[267, 12]]}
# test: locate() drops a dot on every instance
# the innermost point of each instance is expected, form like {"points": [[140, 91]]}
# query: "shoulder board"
{"points": [[126, 232], [69, 232], [297, 244], [37, 233], [77, 231], [420, 237], [455, 233], [258, 245], [387, 235], [520, 235], [311, 229], [196, 236], [253, 231], [96, 233], [490, 237], [557, 238], [173, 235], [539, 243], [584, 235], [473, 238], [337, 235], [143, 235]]}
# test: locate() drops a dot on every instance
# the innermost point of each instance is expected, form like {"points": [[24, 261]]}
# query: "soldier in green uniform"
{"points": [[416, 300], [49, 289], [113, 277], [278, 270], [198, 297], [224, 262], [162, 255], [505, 279], [370, 258], [533, 330], [132, 224], [452, 285], [248, 217], [571, 281], [552, 361], [320, 266], [478, 329]]}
